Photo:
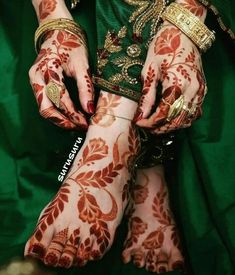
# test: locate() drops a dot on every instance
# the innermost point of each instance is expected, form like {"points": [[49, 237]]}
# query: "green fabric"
{"points": [[32, 152], [226, 9]]}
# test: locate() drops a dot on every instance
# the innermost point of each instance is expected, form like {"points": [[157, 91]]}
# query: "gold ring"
{"points": [[53, 93], [191, 110], [175, 108]]}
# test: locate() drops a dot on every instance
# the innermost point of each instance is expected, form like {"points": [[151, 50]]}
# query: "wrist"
{"points": [[195, 7], [50, 9]]}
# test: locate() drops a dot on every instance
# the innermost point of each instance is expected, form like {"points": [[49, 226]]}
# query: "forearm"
{"points": [[50, 9], [195, 7]]}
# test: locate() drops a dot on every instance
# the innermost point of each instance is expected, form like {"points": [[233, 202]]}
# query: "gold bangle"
{"points": [[74, 3], [190, 25], [63, 24]]}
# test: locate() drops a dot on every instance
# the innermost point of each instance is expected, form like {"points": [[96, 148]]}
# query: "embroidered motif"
{"points": [[112, 44], [146, 11], [134, 50], [125, 63]]}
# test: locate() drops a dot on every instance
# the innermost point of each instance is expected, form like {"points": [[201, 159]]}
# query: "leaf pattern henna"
{"points": [[154, 240], [195, 7], [52, 211], [159, 210], [107, 103], [49, 60], [46, 7]]}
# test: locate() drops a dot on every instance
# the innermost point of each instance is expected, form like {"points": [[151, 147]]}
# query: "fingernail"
{"points": [[138, 115], [91, 107], [162, 269]]}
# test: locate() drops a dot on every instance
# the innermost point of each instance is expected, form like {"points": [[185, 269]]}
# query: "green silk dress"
{"points": [[33, 151]]}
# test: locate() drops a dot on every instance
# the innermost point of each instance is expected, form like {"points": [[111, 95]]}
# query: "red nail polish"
{"points": [[91, 107], [138, 115]]}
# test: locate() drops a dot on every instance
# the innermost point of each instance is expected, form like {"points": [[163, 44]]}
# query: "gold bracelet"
{"points": [[74, 3], [190, 25], [63, 24]]}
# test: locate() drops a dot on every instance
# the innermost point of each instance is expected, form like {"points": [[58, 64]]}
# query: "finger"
{"points": [[171, 92], [48, 111], [57, 118], [68, 109], [157, 118], [148, 97], [86, 90]]}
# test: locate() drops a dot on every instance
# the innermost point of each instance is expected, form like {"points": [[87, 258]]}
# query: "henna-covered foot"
{"points": [[152, 240], [80, 223]]}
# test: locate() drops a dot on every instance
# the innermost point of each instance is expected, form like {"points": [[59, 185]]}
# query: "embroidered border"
{"points": [[116, 89]]}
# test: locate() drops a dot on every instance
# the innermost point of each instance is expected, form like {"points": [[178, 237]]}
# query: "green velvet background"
{"points": [[32, 152]]}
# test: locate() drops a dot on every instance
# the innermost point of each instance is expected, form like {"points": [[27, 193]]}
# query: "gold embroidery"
{"points": [[146, 11], [111, 45], [134, 50], [117, 89], [125, 63]]}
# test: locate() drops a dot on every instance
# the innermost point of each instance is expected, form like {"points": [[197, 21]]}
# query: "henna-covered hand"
{"points": [[61, 53], [174, 61]]}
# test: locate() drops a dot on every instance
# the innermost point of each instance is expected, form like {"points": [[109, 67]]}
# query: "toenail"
{"points": [[37, 250], [178, 265], [162, 269], [51, 259], [64, 262]]}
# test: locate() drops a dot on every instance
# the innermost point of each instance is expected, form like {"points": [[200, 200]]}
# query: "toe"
{"points": [[139, 259], [161, 262], [84, 251], [55, 248], [128, 250], [150, 263], [70, 250], [38, 243], [176, 261]]}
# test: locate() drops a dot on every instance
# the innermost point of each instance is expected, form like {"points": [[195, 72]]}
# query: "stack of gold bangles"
{"points": [[190, 25], [63, 24]]}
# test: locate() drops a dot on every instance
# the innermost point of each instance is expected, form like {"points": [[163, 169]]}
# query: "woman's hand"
{"points": [[174, 61], [61, 54]]}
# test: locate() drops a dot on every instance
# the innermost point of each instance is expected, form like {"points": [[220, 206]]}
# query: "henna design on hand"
{"points": [[192, 5], [53, 58], [46, 7], [179, 68]]}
